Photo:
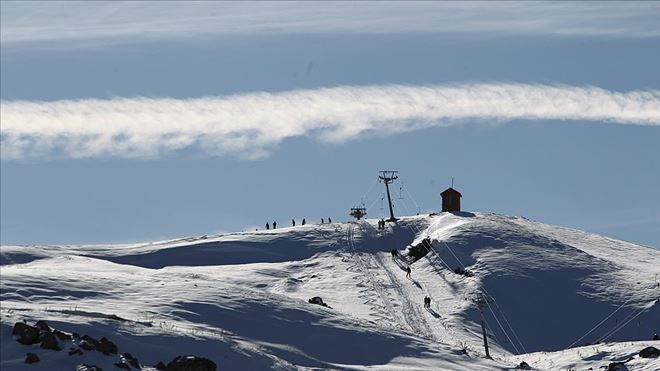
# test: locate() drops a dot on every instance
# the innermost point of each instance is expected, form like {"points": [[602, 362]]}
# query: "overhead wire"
{"points": [[499, 324], [623, 324], [599, 323]]}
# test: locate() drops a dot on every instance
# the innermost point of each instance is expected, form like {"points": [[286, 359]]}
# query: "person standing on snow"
{"points": [[293, 222], [408, 271], [274, 225], [303, 221], [267, 225]]}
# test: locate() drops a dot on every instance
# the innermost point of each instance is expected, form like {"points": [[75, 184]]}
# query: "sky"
{"points": [[138, 121]]}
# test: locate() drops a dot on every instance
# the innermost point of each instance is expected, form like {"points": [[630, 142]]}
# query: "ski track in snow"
{"points": [[382, 304]]}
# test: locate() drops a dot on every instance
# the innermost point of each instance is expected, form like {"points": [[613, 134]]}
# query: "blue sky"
{"points": [[121, 124]]}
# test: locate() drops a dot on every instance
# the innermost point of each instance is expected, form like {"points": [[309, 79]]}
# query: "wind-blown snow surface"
{"points": [[241, 299]]}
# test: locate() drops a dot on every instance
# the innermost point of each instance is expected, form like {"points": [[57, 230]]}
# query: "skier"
{"points": [[394, 254], [267, 225], [303, 221], [293, 222], [321, 220], [426, 302], [329, 220], [408, 271], [274, 225]]}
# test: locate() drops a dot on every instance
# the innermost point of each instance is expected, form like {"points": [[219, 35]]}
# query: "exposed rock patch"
{"points": [[190, 363]]}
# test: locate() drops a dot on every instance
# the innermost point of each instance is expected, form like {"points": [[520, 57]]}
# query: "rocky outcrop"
{"points": [[49, 341], [106, 346], [31, 358], [649, 352], [42, 325], [190, 363], [88, 343], [62, 336], [523, 366], [25, 333], [128, 357]]}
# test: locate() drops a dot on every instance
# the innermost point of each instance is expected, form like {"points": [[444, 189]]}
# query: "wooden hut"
{"points": [[451, 200]]}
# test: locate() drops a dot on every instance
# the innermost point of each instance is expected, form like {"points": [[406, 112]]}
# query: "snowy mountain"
{"points": [[547, 294]]}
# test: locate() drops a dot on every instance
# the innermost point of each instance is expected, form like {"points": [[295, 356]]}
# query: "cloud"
{"points": [[97, 23], [252, 125]]}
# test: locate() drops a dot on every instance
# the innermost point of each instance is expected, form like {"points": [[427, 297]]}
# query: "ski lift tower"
{"points": [[389, 176]]}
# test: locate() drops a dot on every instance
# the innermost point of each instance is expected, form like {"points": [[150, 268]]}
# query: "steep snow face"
{"points": [[241, 299], [546, 287]]}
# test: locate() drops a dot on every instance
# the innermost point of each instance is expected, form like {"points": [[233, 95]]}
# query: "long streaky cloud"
{"points": [[252, 125], [103, 23]]}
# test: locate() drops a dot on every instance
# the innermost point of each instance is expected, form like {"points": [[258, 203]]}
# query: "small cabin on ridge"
{"points": [[451, 200]]}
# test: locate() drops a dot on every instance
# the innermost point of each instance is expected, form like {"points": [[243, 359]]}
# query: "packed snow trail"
{"points": [[365, 277], [415, 320]]}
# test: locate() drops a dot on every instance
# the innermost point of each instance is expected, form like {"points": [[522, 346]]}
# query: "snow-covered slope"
{"points": [[241, 299]]}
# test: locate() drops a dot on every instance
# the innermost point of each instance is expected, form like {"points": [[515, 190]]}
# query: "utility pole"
{"points": [[480, 302], [388, 177]]}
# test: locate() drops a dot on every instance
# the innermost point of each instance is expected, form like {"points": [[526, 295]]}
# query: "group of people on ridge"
{"points": [[293, 223], [381, 224]]}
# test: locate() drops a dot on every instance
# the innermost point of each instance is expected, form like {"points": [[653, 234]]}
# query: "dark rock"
{"points": [[463, 272], [77, 351], [86, 367], [31, 358], [190, 363], [132, 360], [123, 365], [524, 366], [49, 341], [90, 340], [649, 352], [317, 300], [88, 343], [27, 334], [18, 326], [420, 250], [619, 366], [61, 335], [160, 365], [106, 346], [616, 366], [42, 325]]}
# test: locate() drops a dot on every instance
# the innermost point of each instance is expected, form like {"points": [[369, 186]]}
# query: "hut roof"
{"points": [[450, 190]]}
